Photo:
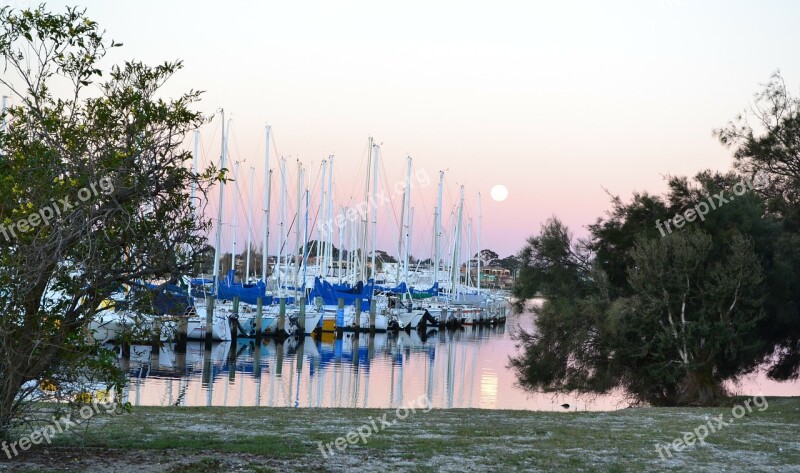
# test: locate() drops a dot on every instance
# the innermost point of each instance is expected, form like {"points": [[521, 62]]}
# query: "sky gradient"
{"points": [[555, 100]]}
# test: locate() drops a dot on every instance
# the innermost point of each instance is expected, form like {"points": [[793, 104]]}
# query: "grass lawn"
{"points": [[183, 439]]}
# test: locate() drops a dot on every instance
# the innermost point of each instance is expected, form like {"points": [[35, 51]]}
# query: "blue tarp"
{"points": [[331, 296], [170, 299], [229, 288]]}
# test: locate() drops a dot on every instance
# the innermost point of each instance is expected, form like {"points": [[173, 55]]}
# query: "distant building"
{"points": [[492, 277]]}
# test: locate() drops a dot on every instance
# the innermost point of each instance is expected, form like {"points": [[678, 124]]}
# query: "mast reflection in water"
{"points": [[456, 369]]}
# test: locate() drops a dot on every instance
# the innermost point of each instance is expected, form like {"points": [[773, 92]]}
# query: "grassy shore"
{"points": [[284, 439]]}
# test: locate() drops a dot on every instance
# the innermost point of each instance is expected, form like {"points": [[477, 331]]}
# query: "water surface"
{"points": [[455, 369]]}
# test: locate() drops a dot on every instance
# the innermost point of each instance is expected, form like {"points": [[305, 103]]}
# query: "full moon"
{"points": [[499, 193]]}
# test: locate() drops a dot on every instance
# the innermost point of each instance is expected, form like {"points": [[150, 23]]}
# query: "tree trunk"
{"points": [[701, 389]]}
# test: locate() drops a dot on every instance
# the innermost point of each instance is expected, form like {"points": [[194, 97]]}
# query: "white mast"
{"points": [[438, 230], [400, 238], [363, 243], [194, 164], [408, 241], [305, 235], [249, 223], [405, 218], [468, 277], [457, 244], [479, 241], [329, 229], [235, 201], [297, 226], [218, 239], [341, 247], [374, 204], [357, 230], [193, 193], [321, 229], [268, 184], [281, 218]]}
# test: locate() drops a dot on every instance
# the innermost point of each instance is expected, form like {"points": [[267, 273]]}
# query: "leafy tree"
{"points": [[487, 256], [698, 311], [567, 351], [510, 262], [93, 195], [384, 257], [766, 144], [551, 265], [315, 249], [688, 311]]}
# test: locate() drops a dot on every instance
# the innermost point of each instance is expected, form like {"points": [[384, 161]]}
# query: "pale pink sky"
{"points": [[555, 100]]}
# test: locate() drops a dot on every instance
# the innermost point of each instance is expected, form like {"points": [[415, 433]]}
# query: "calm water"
{"points": [[455, 369]]}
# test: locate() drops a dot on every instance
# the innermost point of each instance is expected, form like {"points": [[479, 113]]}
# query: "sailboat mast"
{"points": [[329, 235], [406, 216], [374, 204], [281, 219], [357, 264], [305, 242], [438, 230], [468, 277], [408, 241], [235, 201], [297, 226], [268, 184], [250, 223], [479, 241], [218, 238], [194, 164], [363, 243], [400, 238], [457, 244], [341, 247], [325, 221]]}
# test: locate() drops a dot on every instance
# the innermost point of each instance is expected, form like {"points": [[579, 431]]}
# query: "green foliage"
{"points": [[487, 257], [669, 319], [766, 142], [551, 265], [106, 164]]}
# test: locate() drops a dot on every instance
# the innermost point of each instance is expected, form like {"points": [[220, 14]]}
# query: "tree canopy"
{"points": [[94, 194], [670, 296]]}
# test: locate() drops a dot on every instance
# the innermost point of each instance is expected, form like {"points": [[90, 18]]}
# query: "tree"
{"points": [[771, 149], [510, 262], [487, 256], [93, 195], [698, 311], [384, 257], [766, 144], [565, 352], [315, 248], [667, 318], [551, 265]]}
